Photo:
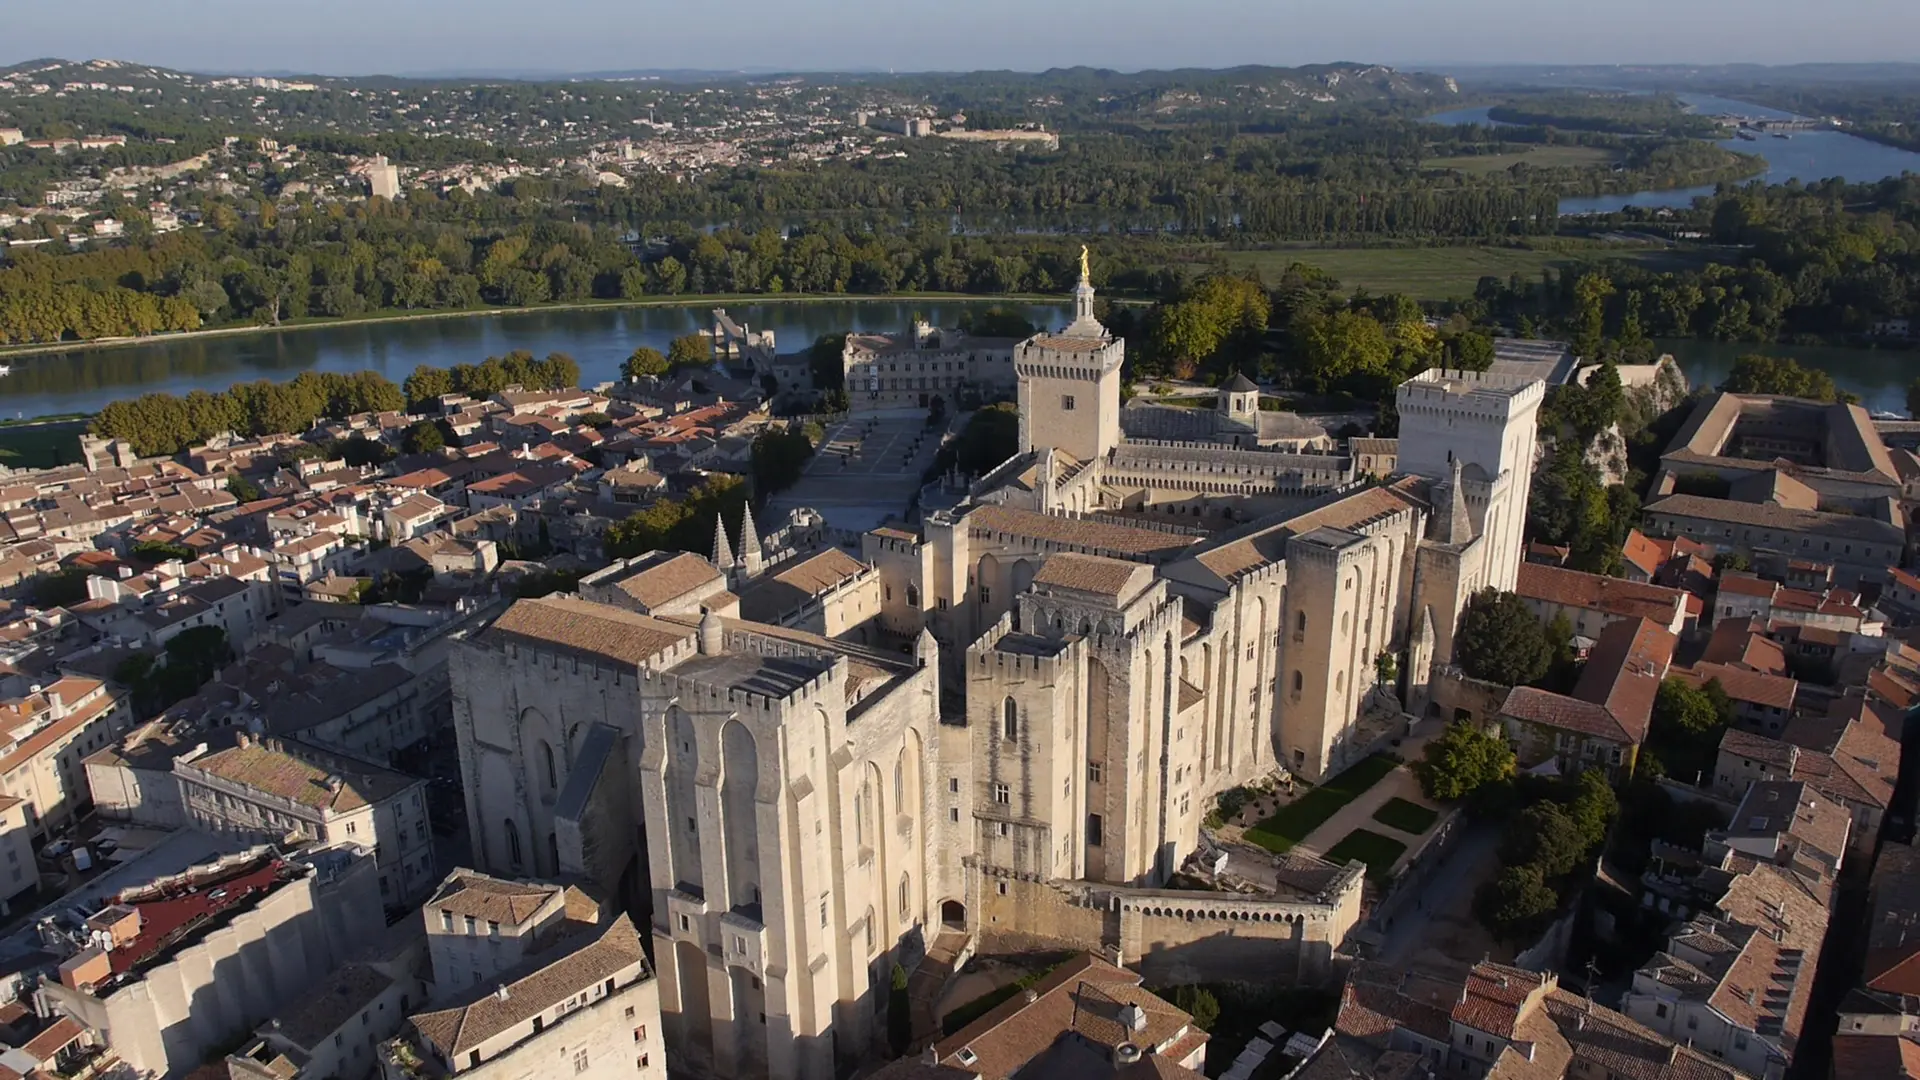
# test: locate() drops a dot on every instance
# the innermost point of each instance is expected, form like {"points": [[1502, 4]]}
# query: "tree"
{"points": [[690, 350], [1500, 641], [1684, 732], [425, 385], [991, 436], [643, 363], [242, 488], [1756, 374], [1346, 350], [996, 322], [1198, 1002], [1593, 808], [1517, 904], [779, 458], [1544, 836], [1464, 759], [154, 552], [826, 363], [424, 437], [899, 1018]]}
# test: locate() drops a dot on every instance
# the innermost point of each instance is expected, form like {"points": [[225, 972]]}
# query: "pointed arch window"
{"points": [[513, 844], [546, 758], [1010, 719]]}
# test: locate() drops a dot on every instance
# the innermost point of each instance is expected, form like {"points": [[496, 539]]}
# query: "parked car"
{"points": [[56, 849]]}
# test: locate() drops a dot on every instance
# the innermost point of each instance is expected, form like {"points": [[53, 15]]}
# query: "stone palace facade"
{"points": [[1020, 739]]}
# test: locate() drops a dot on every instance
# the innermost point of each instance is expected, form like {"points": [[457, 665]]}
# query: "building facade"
{"points": [[1027, 735]]}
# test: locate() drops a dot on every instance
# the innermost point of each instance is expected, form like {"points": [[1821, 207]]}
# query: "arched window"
{"points": [[913, 596], [905, 887], [899, 785], [513, 844], [1297, 682], [1300, 621], [546, 756], [1339, 681], [1010, 719]]}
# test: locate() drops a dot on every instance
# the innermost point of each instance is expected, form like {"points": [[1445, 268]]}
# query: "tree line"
{"points": [[163, 424]]}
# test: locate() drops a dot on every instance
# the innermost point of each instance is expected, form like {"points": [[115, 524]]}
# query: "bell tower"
{"points": [[1069, 383]]}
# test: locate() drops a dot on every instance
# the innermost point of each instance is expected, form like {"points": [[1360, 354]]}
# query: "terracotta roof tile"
{"points": [[543, 983], [1111, 578], [596, 630], [1613, 596]]}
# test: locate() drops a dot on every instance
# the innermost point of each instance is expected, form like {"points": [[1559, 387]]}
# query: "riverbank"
{"points": [[7, 352]]}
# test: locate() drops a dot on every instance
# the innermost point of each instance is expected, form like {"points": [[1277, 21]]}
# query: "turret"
{"points": [[722, 551], [752, 559]]}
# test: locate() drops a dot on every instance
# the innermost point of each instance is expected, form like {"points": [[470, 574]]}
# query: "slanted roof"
{"points": [[1113, 579], [534, 987], [491, 899], [594, 630], [792, 585]]}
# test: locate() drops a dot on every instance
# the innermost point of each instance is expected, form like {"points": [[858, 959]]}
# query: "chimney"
{"points": [[713, 635], [500, 992]]}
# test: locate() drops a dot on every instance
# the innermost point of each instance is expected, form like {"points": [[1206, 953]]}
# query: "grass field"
{"points": [[41, 445], [1378, 852], [1437, 273], [1540, 157], [1406, 816], [1303, 815]]}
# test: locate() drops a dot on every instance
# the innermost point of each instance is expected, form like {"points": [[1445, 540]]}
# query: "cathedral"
{"points": [[1005, 723]]}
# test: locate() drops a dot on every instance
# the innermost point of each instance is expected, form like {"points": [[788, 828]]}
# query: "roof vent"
{"points": [[1125, 1054], [500, 992]]}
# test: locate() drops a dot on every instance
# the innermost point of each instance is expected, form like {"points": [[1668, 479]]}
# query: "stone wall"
{"points": [[1173, 936]]}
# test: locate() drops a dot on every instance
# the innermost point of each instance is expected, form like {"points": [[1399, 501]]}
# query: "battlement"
{"points": [[1475, 394], [748, 684]]}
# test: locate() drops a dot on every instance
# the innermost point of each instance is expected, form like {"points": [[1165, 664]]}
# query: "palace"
{"points": [[1007, 721]]}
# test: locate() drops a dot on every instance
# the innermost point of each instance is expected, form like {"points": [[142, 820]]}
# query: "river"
{"points": [[1807, 156], [83, 379], [1879, 377]]}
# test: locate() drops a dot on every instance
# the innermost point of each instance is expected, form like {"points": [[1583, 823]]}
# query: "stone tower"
{"points": [[1240, 402], [1480, 428], [1069, 385]]}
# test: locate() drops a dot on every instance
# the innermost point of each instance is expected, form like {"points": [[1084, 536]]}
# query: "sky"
{"points": [[356, 37]]}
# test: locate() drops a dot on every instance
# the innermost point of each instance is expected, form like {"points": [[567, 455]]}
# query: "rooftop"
{"points": [[594, 630], [574, 964]]}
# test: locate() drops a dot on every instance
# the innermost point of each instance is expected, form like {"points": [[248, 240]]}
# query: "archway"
{"points": [[953, 915]]}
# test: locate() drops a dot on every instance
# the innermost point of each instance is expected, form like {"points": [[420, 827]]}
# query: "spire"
{"points": [[722, 551], [1084, 324], [1453, 524], [751, 557]]}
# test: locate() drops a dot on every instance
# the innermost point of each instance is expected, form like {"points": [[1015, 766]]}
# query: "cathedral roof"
{"points": [[595, 630], [1074, 532], [1111, 578]]}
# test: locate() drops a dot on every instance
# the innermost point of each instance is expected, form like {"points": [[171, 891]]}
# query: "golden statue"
{"points": [[1085, 274]]}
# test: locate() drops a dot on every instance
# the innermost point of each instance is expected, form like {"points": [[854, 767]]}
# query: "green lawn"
{"points": [[1434, 273], [1539, 157], [1406, 816], [1303, 815], [1377, 851]]}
